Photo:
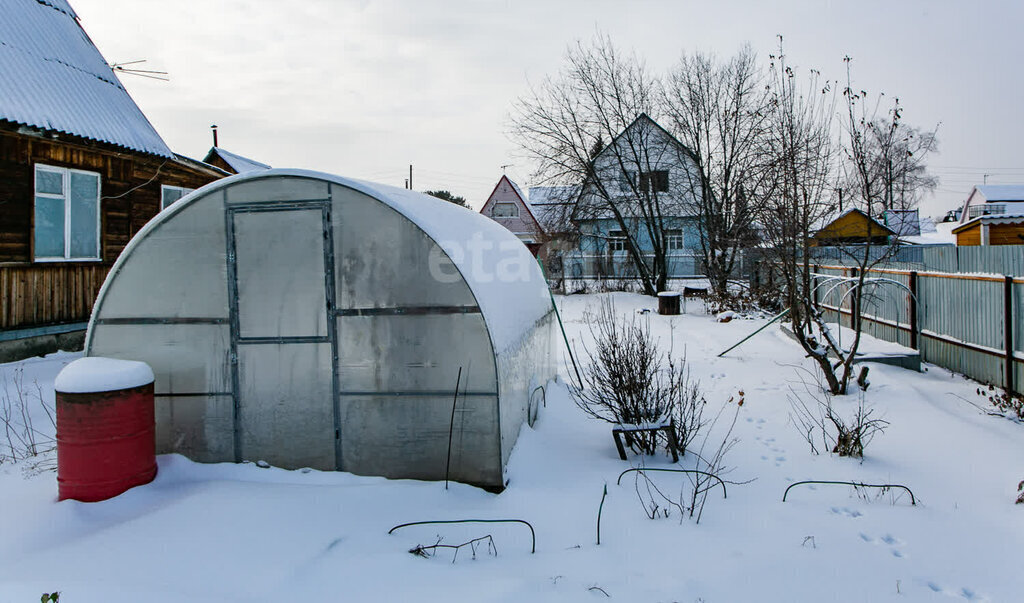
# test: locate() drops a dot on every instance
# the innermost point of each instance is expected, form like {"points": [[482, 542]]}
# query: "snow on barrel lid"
{"points": [[97, 374]]}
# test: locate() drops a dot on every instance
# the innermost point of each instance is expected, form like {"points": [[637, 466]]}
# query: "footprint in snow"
{"points": [[887, 540], [848, 512]]}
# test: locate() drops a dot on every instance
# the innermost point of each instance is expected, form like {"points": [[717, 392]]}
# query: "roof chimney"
{"points": [[214, 128]]}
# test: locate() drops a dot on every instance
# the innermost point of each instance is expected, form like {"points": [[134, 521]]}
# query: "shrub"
{"points": [[628, 379], [817, 418]]}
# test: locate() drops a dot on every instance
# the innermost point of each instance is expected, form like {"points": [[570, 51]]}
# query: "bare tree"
{"points": [[591, 126], [795, 196], [718, 109], [883, 169]]}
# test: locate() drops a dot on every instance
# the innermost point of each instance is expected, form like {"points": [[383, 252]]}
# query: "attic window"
{"points": [[654, 181], [67, 214], [505, 210]]}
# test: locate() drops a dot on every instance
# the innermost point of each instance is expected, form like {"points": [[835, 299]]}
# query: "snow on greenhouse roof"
{"points": [[54, 78], [503, 275]]}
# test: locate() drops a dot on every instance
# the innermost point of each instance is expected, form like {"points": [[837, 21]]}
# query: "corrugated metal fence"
{"points": [[969, 323]]}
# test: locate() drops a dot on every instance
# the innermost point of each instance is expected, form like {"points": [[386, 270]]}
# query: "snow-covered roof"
{"points": [[1001, 192], [939, 234], [904, 222], [240, 164], [1007, 218], [53, 78]]}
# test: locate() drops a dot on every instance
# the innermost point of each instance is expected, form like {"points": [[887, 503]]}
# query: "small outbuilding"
{"points": [[853, 227], [310, 320]]}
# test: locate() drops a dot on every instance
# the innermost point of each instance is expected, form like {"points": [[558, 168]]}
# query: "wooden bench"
{"points": [[669, 427]]}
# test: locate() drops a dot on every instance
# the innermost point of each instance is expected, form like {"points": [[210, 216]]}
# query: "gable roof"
{"points": [[522, 199], [53, 78], [240, 164], [834, 228]]}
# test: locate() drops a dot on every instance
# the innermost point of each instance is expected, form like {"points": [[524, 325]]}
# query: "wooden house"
{"points": [[81, 171], [999, 229], [853, 227], [231, 162], [642, 177], [993, 214], [508, 206]]}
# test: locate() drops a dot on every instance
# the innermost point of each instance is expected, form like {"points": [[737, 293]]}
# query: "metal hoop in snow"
{"points": [[533, 535], [913, 501]]}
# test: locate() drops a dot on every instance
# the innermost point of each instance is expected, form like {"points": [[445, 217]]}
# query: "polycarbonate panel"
{"points": [[286, 407], [178, 269], [49, 228], [522, 368], [407, 437], [277, 189], [184, 358], [199, 427], [280, 273], [85, 195], [383, 260], [415, 353]]}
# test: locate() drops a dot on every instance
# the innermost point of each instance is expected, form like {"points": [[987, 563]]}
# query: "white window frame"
{"points": [[616, 240], [168, 187], [65, 197], [675, 239], [494, 209]]}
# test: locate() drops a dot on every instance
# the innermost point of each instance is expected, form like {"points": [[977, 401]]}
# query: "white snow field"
{"points": [[243, 533]]}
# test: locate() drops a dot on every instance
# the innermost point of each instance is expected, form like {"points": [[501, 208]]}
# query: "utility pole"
{"points": [[410, 176]]}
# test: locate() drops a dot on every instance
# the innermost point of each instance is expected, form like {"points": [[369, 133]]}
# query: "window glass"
{"points": [[66, 214], [617, 240], [49, 182], [656, 181], [49, 230], [170, 194], [84, 192], [674, 239], [505, 210]]}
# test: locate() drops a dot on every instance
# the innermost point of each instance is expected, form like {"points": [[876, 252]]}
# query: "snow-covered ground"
{"points": [[242, 533]]}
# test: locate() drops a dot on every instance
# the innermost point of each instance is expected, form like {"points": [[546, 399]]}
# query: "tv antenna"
{"points": [[507, 165], [153, 75]]}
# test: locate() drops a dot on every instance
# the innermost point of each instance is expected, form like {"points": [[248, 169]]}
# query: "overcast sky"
{"points": [[365, 88]]}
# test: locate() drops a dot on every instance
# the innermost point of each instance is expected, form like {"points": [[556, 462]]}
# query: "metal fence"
{"points": [[968, 323], [619, 265]]}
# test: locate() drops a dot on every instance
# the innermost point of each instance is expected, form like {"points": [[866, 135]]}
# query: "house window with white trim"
{"points": [[67, 214], [617, 240], [170, 194], [505, 210], [674, 240]]}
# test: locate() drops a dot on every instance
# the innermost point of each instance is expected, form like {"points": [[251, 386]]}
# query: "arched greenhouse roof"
{"points": [[502, 274]]}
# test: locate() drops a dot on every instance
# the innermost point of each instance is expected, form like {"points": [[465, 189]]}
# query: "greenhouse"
{"points": [[310, 320]]}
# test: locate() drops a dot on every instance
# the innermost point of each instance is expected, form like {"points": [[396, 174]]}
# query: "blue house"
{"points": [[641, 195]]}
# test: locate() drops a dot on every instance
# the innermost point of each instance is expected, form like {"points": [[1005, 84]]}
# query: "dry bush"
{"points": [[815, 417], [628, 379], [21, 440]]}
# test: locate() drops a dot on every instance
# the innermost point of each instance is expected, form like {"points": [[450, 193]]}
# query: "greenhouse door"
{"points": [[281, 283]]}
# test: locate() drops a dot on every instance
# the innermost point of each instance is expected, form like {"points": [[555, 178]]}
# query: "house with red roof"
{"points": [[508, 206]]}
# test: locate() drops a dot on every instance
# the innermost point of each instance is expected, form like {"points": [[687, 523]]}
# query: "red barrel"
{"points": [[105, 441]]}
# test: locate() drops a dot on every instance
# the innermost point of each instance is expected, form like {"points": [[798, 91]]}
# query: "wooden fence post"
{"points": [[913, 311], [1008, 332]]}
